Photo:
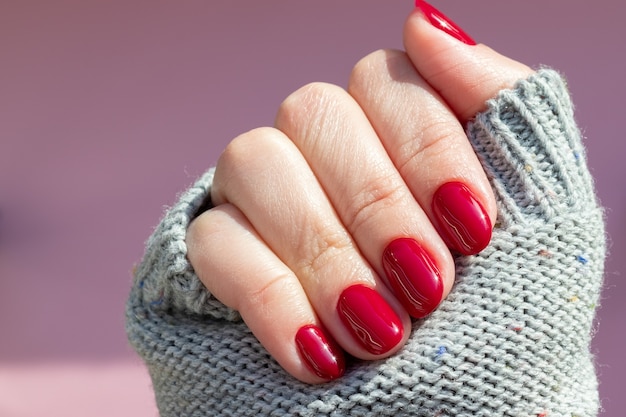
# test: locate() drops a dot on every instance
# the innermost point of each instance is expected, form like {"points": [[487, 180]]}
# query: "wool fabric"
{"points": [[511, 339]]}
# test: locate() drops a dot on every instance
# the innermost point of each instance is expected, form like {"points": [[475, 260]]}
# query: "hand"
{"points": [[330, 230]]}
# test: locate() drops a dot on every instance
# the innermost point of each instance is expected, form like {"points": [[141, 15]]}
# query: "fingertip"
{"points": [[320, 354], [414, 276], [300, 344], [466, 75], [461, 218], [370, 321], [440, 21]]}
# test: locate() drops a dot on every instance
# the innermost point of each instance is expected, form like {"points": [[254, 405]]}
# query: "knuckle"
{"points": [[306, 111], [436, 139], [205, 231], [283, 285], [321, 251], [359, 75], [372, 67], [203, 227], [212, 226], [247, 158], [305, 101], [377, 195], [245, 147], [246, 154]]}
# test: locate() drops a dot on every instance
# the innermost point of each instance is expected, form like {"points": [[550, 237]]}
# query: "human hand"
{"points": [[342, 205]]}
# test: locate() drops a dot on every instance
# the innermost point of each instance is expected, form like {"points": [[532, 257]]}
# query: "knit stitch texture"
{"points": [[512, 338]]}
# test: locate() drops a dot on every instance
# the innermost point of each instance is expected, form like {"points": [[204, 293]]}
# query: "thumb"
{"points": [[465, 74]]}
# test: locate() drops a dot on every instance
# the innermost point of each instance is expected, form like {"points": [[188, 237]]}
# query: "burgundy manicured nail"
{"points": [[320, 353], [370, 319], [442, 22], [460, 219], [413, 276]]}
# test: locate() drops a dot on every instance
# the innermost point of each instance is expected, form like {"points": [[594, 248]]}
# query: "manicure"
{"points": [[442, 22], [413, 276], [460, 219], [370, 319], [320, 354]]}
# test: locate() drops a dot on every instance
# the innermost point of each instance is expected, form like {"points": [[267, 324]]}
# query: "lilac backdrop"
{"points": [[109, 108]]}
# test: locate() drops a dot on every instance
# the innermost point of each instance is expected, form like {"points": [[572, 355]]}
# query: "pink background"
{"points": [[109, 108]]}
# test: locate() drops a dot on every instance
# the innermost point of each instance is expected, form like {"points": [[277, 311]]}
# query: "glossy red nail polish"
{"points": [[370, 319], [320, 353], [413, 276], [460, 219], [442, 22]]}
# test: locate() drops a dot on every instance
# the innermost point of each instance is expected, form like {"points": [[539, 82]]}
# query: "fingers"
{"points": [[265, 176], [465, 75], [428, 146], [338, 196], [337, 223], [369, 194], [246, 275]]}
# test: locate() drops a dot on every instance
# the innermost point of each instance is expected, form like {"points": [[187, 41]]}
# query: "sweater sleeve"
{"points": [[532, 152], [511, 339], [165, 281]]}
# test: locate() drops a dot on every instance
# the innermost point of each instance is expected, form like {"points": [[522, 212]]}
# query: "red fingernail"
{"points": [[320, 354], [460, 219], [370, 319], [442, 22], [413, 276]]}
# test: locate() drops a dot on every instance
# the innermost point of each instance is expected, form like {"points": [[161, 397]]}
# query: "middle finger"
{"points": [[370, 196]]}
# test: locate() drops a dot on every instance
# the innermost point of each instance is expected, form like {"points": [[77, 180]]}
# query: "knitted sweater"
{"points": [[511, 339]]}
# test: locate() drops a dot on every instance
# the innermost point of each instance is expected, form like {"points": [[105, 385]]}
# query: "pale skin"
{"points": [[304, 209]]}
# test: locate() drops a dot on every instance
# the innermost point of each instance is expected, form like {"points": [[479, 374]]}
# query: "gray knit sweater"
{"points": [[511, 339]]}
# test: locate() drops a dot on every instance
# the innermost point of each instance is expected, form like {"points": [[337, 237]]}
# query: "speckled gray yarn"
{"points": [[512, 339]]}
